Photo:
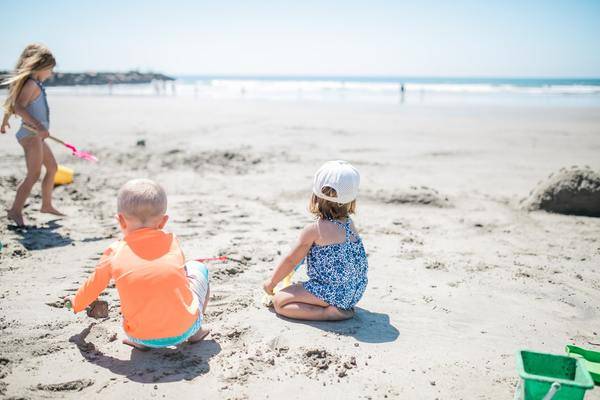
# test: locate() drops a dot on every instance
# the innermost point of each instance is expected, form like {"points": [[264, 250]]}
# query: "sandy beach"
{"points": [[461, 276]]}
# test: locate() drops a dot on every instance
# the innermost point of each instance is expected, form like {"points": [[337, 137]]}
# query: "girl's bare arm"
{"points": [[5, 123], [307, 237]]}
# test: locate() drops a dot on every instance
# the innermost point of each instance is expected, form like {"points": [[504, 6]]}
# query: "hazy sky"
{"points": [[312, 37]]}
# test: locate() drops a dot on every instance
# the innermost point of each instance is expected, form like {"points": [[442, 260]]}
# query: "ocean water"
{"points": [[417, 90]]}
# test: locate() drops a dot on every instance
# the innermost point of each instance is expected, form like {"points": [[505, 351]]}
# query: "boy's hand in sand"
{"points": [[268, 287], [98, 309]]}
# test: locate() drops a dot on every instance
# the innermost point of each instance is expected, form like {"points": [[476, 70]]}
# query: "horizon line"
{"points": [[317, 75], [264, 75]]}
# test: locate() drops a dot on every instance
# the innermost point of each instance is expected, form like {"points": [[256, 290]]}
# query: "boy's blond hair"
{"points": [[142, 199], [326, 209]]}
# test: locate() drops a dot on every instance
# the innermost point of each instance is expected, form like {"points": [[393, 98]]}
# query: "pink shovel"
{"points": [[77, 153]]}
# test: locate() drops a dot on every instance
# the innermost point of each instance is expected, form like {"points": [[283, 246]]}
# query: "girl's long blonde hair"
{"points": [[34, 58]]}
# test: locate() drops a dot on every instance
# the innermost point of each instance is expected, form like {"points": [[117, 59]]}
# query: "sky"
{"points": [[551, 38]]}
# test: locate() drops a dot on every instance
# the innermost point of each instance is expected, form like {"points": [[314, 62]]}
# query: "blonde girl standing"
{"points": [[27, 99]]}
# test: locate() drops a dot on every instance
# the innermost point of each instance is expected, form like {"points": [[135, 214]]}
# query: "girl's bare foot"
{"points": [[198, 336], [336, 314], [138, 346], [51, 210], [16, 217]]}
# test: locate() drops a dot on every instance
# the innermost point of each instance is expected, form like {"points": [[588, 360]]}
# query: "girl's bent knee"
{"points": [[280, 299], [32, 176], [51, 169]]}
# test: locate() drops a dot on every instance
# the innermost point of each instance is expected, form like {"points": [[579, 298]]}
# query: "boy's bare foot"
{"points": [[137, 346], [336, 314], [51, 210], [16, 217], [198, 336]]}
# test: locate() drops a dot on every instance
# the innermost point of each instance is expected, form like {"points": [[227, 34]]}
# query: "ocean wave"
{"points": [[393, 88]]}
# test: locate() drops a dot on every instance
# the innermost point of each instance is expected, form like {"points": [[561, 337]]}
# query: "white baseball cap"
{"points": [[340, 176]]}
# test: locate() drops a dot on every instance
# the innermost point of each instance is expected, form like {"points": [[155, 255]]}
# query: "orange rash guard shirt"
{"points": [[148, 268]]}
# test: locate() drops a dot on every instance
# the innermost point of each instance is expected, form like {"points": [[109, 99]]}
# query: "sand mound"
{"points": [[569, 191], [238, 161], [421, 195]]}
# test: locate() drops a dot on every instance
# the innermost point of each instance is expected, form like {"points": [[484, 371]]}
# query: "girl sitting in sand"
{"points": [[335, 256], [27, 99]]}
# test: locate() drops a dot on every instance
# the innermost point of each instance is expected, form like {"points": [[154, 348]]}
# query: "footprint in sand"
{"points": [[320, 360], [76, 385]]}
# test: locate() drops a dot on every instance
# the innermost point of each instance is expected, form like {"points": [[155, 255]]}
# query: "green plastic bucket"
{"points": [[549, 376]]}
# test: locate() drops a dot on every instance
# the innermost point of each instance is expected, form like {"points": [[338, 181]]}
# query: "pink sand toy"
{"points": [[77, 153]]}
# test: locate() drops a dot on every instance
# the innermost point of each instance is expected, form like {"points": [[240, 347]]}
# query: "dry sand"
{"points": [[460, 278]]}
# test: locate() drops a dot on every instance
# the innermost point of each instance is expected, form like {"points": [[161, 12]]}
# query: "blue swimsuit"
{"points": [[39, 110], [338, 272]]}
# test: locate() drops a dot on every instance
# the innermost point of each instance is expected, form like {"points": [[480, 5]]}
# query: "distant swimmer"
{"points": [[402, 91]]}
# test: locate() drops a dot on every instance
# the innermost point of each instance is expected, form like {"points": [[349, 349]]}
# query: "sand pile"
{"points": [[421, 195], [569, 191]]}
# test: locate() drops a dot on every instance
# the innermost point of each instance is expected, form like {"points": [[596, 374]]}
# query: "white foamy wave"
{"points": [[383, 91], [515, 89], [315, 86]]}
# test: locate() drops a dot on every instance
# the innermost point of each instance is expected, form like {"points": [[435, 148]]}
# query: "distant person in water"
{"points": [[402, 91], [27, 99], [335, 256], [163, 298]]}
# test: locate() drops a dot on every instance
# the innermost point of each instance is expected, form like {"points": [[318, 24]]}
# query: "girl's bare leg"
{"points": [[32, 146], [48, 182], [295, 302]]}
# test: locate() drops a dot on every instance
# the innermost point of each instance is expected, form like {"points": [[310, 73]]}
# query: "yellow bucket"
{"points": [[63, 176]]}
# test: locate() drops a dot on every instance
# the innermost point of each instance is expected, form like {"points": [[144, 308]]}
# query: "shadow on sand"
{"points": [[365, 326], [42, 237], [185, 362]]}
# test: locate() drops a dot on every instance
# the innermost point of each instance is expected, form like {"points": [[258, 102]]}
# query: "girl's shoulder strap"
{"points": [[347, 228], [345, 225], [39, 83], [334, 221], [349, 232]]}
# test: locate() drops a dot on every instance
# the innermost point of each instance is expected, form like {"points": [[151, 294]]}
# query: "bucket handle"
{"points": [[518, 390], [551, 392], [553, 389]]}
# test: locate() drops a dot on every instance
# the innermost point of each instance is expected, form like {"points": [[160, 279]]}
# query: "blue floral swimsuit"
{"points": [[338, 272]]}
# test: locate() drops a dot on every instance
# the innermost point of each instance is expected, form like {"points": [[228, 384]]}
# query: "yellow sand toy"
{"points": [[267, 300], [63, 176]]}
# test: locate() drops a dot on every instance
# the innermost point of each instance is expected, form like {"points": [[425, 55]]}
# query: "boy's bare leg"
{"points": [[198, 336], [206, 301], [203, 332], [295, 302], [138, 346]]}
